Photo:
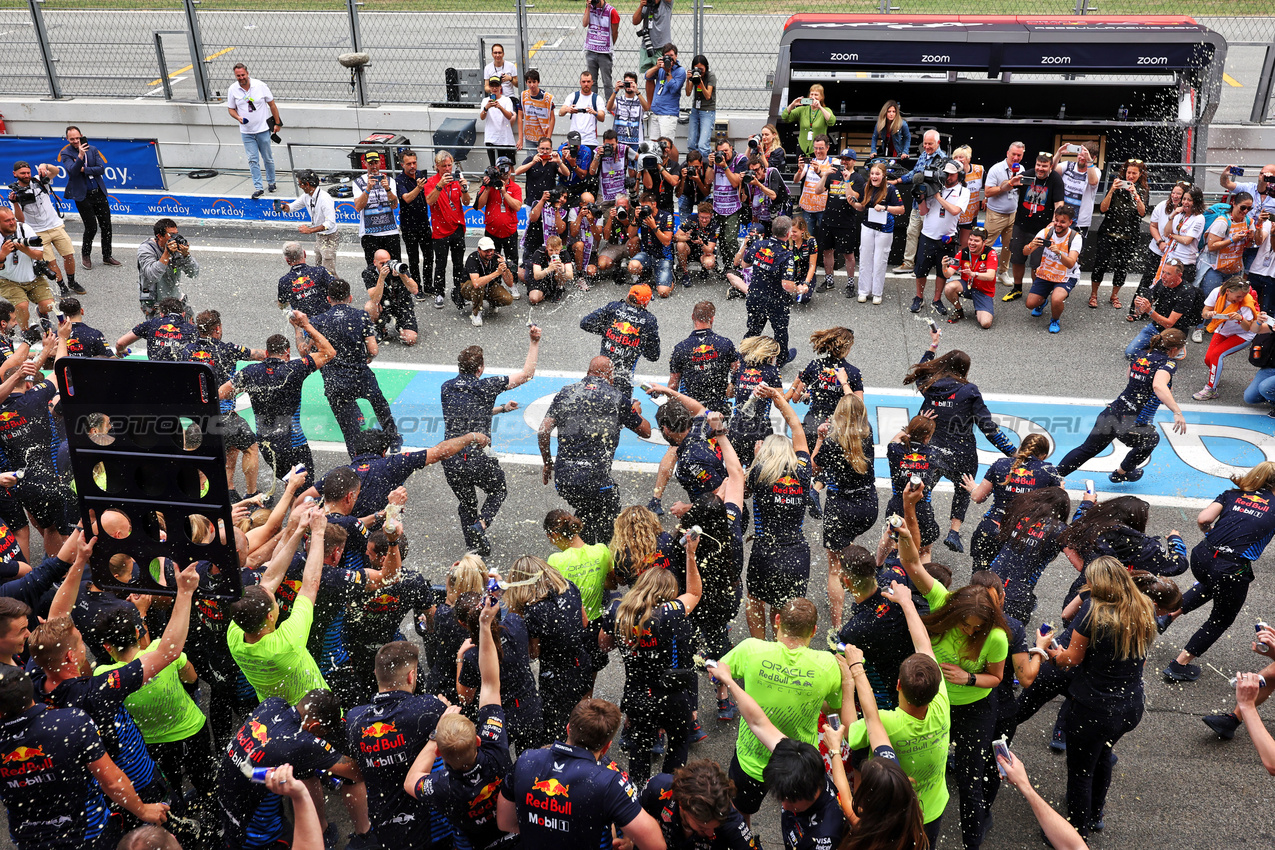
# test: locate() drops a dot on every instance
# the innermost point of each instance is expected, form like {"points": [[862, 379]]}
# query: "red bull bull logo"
{"points": [[552, 790], [484, 795], [385, 737], [22, 754], [24, 760], [626, 328], [258, 731], [378, 730]]}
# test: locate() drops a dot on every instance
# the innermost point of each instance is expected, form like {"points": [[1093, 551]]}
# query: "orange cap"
{"points": [[641, 293]]}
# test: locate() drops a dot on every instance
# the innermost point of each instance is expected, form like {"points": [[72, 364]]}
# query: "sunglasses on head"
{"points": [[1134, 162]]}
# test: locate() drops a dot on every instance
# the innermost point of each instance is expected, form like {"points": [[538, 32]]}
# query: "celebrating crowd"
{"points": [[147, 721]]}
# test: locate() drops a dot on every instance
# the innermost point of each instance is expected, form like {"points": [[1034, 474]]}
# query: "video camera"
{"points": [[649, 156], [932, 180]]}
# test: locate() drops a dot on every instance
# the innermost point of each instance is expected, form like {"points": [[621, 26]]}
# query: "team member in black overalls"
{"points": [[468, 405], [823, 383], [564, 797], [384, 735], [693, 433], [694, 809], [1029, 538], [588, 416], [779, 479], [958, 406], [628, 330], [1237, 526], [1006, 478], [877, 625], [1118, 527], [1129, 418], [347, 377], [910, 453], [519, 697], [843, 457], [551, 608], [770, 286], [166, 334], [750, 422]]}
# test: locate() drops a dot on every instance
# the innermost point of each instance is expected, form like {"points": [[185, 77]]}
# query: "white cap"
{"points": [[485, 244]]}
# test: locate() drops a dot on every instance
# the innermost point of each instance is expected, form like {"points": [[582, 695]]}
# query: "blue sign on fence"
{"points": [[130, 163]]}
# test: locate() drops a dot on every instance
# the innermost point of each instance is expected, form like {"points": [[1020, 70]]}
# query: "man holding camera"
{"points": [[413, 219], [660, 173], [543, 169], [19, 283], [1080, 181], [375, 201], [587, 111], [810, 171], [653, 228], [488, 279], [1001, 190], [447, 193], [654, 20], [1038, 196], [161, 262], [500, 198], [616, 246], [930, 151], [697, 233], [844, 185], [728, 168], [601, 24], [691, 188], [610, 167], [35, 204], [576, 159], [668, 78], [940, 214], [322, 210], [85, 168], [629, 106], [247, 101], [497, 112], [390, 289]]}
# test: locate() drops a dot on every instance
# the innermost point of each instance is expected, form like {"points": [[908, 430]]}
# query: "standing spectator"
{"points": [[413, 220], [375, 201], [602, 27], [768, 144], [1180, 237], [1263, 192], [629, 106], [701, 85], [654, 20], [447, 197], [1123, 207], [85, 167], [880, 203], [974, 182], [161, 262], [1228, 237], [322, 210], [940, 214], [812, 117], [35, 204], [1037, 201], [664, 177], [587, 110], [843, 184], [766, 191], [930, 151], [668, 78], [542, 169], [500, 201], [1080, 181], [506, 71], [247, 101], [727, 170], [1261, 274], [19, 284], [497, 112], [891, 138], [1001, 191], [812, 201], [536, 117]]}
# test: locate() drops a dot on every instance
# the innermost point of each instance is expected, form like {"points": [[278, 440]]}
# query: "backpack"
{"points": [[1262, 352], [1213, 213]]}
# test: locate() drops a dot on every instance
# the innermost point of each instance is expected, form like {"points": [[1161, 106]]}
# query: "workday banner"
{"points": [[130, 163]]}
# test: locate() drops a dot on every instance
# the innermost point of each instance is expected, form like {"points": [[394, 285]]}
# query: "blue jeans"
{"points": [[662, 271], [1262, 388], [1141, 341], [699, 134], [258, 147]]}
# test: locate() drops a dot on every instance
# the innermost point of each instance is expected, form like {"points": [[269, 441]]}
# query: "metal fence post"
{"points": [[1262, 96], [46, 51], [697, 27], [522, 24], [356, 46], [199, 71]]}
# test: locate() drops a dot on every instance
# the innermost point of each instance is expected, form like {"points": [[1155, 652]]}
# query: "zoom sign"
{"points": [[976, 56]]}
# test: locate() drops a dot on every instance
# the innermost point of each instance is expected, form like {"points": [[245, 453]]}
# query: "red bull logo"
{"points": [[701, 349], [24, 760], [385, 737], [666, 794], [1258, 499], [484, 794], [7, 415], [22, 754], [624, 328], [258, 731], [378, 730], [552, 789]]}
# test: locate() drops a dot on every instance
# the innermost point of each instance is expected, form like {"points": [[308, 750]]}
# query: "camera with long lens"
{"points": [[27, 241], [649, 157], [44, 270], [396, 267], [622, 215], [719, 158], [932, 180], [595, 209], [608, 151], [646, 211], [754, 142], [492, 176]]}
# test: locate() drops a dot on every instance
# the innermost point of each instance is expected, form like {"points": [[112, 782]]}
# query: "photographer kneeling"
{"points": [[19, 282], [617, 245], [654, 230], [390, 290], [941, 198], [698, 232], [489, 279]]}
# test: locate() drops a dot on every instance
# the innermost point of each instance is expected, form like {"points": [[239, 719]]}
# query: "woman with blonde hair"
{"points": [[891, 137], [1237, 527], [779, 479], [653, 632], [638, 542], [1005, 479], [974, 182], [770, 148], [843, 456], [910, 453], [1113, 630], [750, 421], [558, 633], [444, 634], [812, 116]]}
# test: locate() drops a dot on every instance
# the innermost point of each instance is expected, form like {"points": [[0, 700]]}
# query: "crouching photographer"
{"points": [[161, 262], [653, 228], [617, 245], [489, 280], [389, 291], [23, 272], [586, 239], [658, 165]]}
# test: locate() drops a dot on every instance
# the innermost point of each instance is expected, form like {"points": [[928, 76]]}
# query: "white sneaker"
{"points": [[516, 293], [876, 299], [1197, 335], [863, 299], [476, 319], [495, 311]]}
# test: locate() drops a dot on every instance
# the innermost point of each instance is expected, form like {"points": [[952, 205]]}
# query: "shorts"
{"points": [[235, 433], [983, 303], [57, 243], [51, 506], [929, 256], [1044, 288], [614, 253], [1022, 236], [749, 792], [35, 291], [777, 573], [842, 239]]}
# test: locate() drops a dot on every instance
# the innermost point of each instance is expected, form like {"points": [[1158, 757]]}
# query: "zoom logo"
{"points": [[844, 57]]}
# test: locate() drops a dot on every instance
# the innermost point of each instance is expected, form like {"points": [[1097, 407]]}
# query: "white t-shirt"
{"points": [[41, 215], [1006, 202], [1159, 218], [939, 223], [585, 123], [497, 129], [21, 271], [1230, 327], [1264, 261], [1193, 227], [508, 89], [1079, 192], [250, 104], [1051, 266]]}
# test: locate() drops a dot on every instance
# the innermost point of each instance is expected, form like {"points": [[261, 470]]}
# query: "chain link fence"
{"points": [[107, 49], [21, 66]]}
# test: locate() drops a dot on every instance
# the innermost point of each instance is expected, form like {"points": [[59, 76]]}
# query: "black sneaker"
{"points": [[850, 294], [78, 290], [271, 187], [953, 541], [655, 507], [938, 307], [481, 546], [816, 509], [1223, 724], [827, 284], [792, 355], [1119, 477], [1176, 672], [255, 195], [917, 303]]}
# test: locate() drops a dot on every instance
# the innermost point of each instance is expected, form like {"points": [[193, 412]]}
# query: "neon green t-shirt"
{"points": [[162, 709], [279, 665], [950, 649], [791, 686], [587, 569], [921, 745]]}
